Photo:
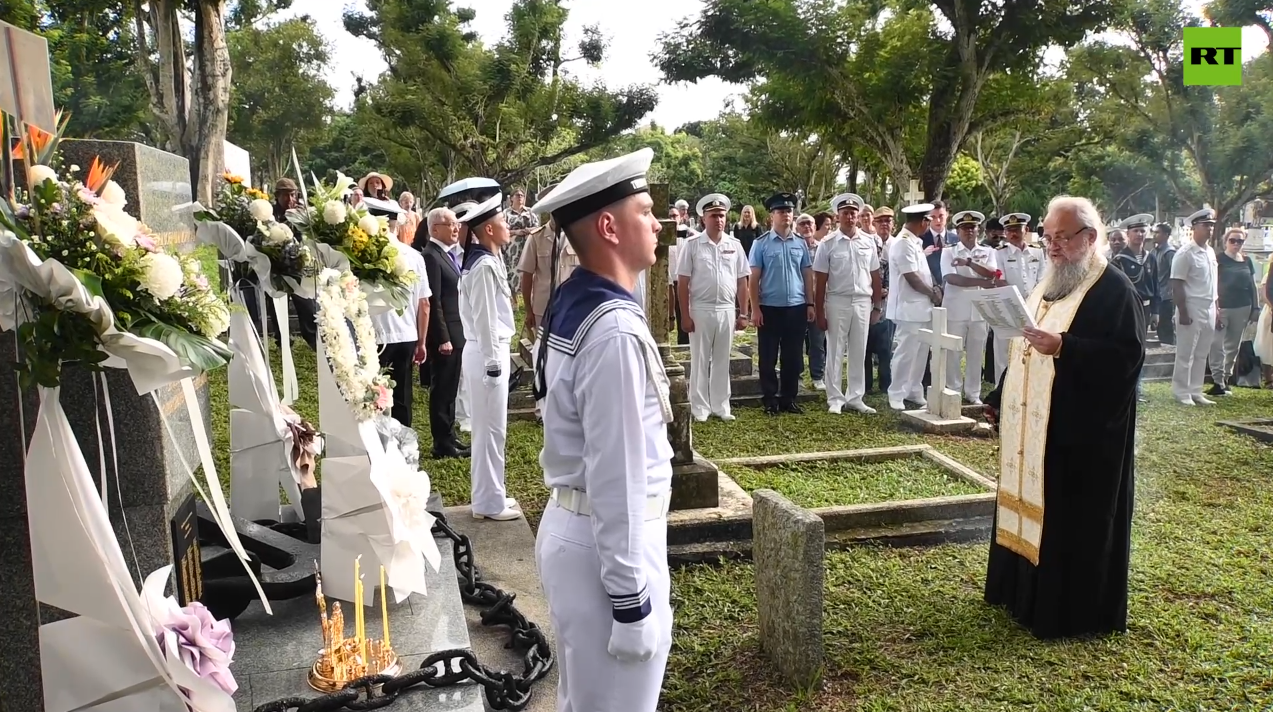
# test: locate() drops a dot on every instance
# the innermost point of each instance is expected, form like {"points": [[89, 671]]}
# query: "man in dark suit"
{"points": [[445, 339]]}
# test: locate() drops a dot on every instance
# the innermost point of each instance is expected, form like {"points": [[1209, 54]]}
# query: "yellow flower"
{"points": [[356, 240], [257, 194], [229, 177]]}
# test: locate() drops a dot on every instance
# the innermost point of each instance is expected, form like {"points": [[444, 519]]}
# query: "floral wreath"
{"points": [[344, 325]]}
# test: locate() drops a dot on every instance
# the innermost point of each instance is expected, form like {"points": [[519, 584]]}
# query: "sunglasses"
{"points": [[1236, 241]]}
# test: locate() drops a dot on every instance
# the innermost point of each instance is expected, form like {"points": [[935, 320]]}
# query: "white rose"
{"points": [[279, 233], [369, 224], [162, 275], [334, 212], [112, 194], [38, 174], [261, 210]]}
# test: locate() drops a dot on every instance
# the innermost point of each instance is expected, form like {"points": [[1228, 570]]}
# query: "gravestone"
{"points": [[238, 162], [155, 181], [788, 549], [149, 494], [944, 412], [914, 195], [694, 479]]}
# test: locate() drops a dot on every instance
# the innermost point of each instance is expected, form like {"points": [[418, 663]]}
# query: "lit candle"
{"points": [[358, 601], [384, 610], [362, 641]]}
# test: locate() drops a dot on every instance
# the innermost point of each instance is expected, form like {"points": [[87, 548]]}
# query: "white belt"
{"points": [[576, 501]]}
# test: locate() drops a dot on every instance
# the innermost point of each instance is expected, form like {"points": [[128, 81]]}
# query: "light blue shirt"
{"points": [[782, 262]]}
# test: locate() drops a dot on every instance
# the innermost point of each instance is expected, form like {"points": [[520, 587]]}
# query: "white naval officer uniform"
{"points": [[602, 542], [910, 311], [486, 313], [1022, 268], [964, 319], [848, 261], [713, 270], [601, 547], [1196, 266]]}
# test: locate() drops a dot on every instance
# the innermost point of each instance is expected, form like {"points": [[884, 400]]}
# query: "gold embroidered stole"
{"points": [[1025, 409]]}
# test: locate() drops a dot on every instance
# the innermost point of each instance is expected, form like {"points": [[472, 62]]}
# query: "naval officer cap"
{"points": [[1140, 220], [781, 201], [383, 208], [1206, 215], [593, 186], [479, 213], [1021, 220], [713, 201], [476, 188], [969, 218], [918, 211], [847, 200]]}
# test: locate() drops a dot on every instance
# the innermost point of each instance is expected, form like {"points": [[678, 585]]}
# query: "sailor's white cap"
{"points": [[712, 201], [479, 214], [593, 186], [846, 199]]}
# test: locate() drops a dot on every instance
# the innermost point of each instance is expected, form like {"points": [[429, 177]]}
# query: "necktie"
{"points": [[454, 260]]}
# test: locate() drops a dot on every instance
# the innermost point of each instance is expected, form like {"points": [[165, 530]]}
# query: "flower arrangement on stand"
{"points": [[280, 259], [68, 234], [347, 238], [344, 325]]}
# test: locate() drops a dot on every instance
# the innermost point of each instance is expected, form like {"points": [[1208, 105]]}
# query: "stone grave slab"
{"points": [[789, 553], [962, 513], [274, 653], [1261, 429]]}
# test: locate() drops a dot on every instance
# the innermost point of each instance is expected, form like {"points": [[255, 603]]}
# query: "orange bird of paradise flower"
{"points": [[99, 175]]}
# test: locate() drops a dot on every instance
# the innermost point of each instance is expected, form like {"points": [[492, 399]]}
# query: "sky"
{"points": [[632, 29]]}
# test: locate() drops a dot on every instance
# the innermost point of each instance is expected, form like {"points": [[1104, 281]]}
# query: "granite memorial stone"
{"points": [[788, 546], [146, 484]]}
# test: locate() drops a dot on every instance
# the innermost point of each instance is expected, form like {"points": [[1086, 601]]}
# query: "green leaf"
{"points": [[91, 281], [196, 351]]}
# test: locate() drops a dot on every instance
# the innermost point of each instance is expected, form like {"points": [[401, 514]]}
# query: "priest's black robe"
{"points": [[1079, 587]]}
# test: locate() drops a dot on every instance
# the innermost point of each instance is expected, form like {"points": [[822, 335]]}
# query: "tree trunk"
{"points": [[204, 138], [163, 68]]}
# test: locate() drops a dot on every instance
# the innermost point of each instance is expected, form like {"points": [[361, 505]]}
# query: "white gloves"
{"points": [[491, 377], [634, 642]]}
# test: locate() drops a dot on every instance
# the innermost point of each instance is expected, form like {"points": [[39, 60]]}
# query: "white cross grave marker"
{"points": [[942, 401], [914, 195]]}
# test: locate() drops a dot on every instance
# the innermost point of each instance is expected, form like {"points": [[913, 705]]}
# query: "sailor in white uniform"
{"points": [[846, 274], [1022, 266], [1195, 289], [486, 312], [712, 277], [966, 267], [911, 298], [602, 543]]}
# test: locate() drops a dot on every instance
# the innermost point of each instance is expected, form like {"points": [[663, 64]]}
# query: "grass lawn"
{"points": [[826, 484], [906, 628]]}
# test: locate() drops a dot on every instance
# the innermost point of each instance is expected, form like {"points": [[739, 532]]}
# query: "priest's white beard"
{"points": [[1066, 277]]}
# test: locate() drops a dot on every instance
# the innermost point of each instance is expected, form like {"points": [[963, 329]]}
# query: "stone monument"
{"points": [[148, 492], [944, 412], [694, 479], [788, 548]]}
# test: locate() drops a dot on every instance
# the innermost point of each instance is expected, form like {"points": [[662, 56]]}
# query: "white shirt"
{"points": [[848, 263], [674, 258], [954, 298], [713, 269], [1022, 267], [906, 256], [452, 249], [486, 309], [392, 328], [1197, 267], [604, 434]]}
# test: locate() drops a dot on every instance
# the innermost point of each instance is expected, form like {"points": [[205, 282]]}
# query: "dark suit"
{"points": [[444, 326]]}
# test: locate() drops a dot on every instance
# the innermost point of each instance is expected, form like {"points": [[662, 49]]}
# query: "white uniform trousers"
{"points": [[969, 379], [910, 357], [848, 323], [710, 345], [1001, 356], [490, 428], [590, 679], [462, 417], [1193, 345]]}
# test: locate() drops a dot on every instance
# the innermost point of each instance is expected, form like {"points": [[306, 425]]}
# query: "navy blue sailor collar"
{"points": [[580, 300], [473, 252]]}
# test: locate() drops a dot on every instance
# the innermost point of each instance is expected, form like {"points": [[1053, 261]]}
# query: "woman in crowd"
{"points": [[486, 312], [408, 222], [1235, 278], [1264, 330], [747, 229]]}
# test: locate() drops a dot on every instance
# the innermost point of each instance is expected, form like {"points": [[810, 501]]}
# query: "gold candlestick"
{"points": [[384, 609], [346, 659]]}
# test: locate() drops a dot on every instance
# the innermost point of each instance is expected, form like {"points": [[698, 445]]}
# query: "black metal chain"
{"points": [[446, 668]]}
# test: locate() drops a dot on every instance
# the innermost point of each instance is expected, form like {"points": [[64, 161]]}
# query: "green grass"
{"points": [[906, 629], [826, 484]]}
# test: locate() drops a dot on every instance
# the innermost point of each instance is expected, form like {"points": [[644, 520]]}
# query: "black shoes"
{"points": [[458, 450], [791, 408]]}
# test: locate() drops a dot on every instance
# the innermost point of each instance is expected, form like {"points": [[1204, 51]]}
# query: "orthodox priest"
{"points": [[1062, 535]]}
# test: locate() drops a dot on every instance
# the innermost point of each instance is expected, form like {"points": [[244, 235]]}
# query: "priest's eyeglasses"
{"points": [[1065, 239]]}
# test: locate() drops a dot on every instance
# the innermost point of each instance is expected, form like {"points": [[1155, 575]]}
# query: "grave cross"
{"points": [[942, 401], [914, 195]]}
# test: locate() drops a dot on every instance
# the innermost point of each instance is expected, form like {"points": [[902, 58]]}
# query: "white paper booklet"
{"points": [[1004, 309]]}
